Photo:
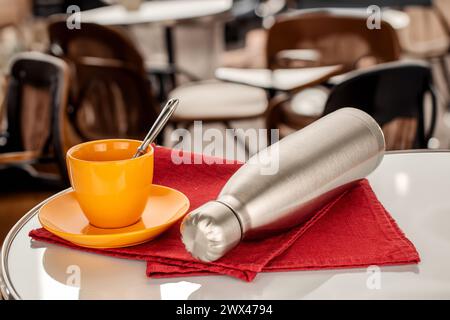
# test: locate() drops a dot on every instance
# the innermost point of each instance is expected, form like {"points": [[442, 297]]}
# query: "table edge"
{"points": [[172, 22], [7, 288], [338, 68]]}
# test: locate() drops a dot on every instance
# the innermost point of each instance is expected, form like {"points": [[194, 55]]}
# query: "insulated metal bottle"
{"points": [[287, 183]]}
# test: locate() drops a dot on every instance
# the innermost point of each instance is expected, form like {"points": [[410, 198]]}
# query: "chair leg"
{"points": [[446, 73]]}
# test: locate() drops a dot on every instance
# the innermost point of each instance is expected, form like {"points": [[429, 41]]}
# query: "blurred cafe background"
{"points": [[73, 71]]}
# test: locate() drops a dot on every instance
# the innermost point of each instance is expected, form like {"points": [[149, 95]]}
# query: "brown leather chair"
{"points": [[335, 36], [35, 104], [111, 94]]}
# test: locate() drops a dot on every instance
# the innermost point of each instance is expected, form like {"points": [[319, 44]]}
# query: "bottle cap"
{"points": [[210, 231]]}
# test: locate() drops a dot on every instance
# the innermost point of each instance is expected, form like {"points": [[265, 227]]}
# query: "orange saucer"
{"points": [[63, 217]]}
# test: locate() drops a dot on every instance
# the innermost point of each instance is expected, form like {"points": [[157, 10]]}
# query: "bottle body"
{"points": [[314, 165]]}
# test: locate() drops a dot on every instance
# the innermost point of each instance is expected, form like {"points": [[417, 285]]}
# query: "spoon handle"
{"points": [[156, 128]]}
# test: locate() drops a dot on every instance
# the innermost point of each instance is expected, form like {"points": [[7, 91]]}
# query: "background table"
{"points": [[413, 187], [280, 79], [168, 12], [165, 13]]}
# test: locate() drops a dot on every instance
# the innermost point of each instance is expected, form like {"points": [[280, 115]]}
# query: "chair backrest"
{"points": [[394, 94], [36, 102], [93, 40], [340, 37], [111, 96], [112, 101]]}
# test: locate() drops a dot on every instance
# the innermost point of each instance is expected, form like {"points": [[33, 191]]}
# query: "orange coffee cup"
{"points": [[111, 187]]}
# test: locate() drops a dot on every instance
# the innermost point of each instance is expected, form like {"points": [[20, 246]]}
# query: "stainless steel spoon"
{"points": [[156, 128]]}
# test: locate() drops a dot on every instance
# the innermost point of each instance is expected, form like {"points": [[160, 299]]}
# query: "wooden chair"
{"points": [[93, 40], [35, 107], [393, 93], [334, 36], [112, 94], [338, 36], [111, 101]]}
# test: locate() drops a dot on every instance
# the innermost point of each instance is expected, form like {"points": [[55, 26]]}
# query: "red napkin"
{"points": [[352, 231]]}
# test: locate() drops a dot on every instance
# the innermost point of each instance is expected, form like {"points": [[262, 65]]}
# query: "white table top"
{"points": [[396, 18], [280, 79], [414, 187], [168, 11]]}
